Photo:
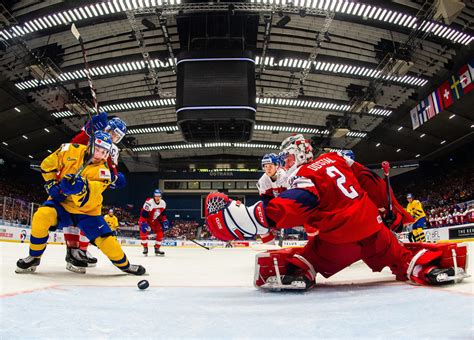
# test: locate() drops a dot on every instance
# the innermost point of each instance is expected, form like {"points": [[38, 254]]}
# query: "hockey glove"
{"points": [[97, 123], [145, 227], [166, 225], [53, 190], [393, 221], [70, 185], [231, 220], [118, 182]]}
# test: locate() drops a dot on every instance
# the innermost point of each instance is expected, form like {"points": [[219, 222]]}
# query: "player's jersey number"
{"points": [[334, 172]]}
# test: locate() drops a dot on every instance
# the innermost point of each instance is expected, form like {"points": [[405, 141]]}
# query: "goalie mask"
{"points": [[295, 150]]}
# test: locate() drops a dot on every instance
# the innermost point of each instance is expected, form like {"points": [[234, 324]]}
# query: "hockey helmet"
{"points": [[270, 158], [117, 128], [349, 154], [298, 146]]}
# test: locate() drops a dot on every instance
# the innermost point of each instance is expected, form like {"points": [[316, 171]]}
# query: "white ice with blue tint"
{"points": [[209, 294]]}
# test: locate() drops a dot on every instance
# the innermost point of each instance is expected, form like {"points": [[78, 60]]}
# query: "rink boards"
{"points": [[458, 233]]}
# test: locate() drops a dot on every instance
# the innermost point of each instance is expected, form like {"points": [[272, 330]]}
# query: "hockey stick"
{"points": [[280, 237], [386, 171], [77, 35], [201, 245]]}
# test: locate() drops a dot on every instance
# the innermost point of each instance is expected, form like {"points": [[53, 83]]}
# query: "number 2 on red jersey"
{"points": [[334, 172]]}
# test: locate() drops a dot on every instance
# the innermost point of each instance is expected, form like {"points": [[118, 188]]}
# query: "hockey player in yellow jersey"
{"points": [[415, 209], [112, 220], [76, 200]]}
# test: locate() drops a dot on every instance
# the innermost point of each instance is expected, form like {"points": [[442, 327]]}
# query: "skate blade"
{"points": [[273, 284], [19, 270], [74, 269], [91, 265], [160, 255]]}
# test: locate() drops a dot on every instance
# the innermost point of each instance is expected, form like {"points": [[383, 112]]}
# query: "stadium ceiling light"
{"points": [[24, 137], [377, 145], [45, 129], [30, 156], [422, 135], [17, 109], [398, 150], [442, 142], [5, 143], [339, 6], [452, 116], [417, 155], [400, 128]]}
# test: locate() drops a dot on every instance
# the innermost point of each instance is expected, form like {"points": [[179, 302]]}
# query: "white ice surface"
{"points": [[204, 294]]}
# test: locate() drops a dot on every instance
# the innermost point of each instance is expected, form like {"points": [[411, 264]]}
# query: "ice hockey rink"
{"points": [[196, 293]]}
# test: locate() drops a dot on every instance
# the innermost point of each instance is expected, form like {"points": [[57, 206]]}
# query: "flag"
{"points": [[414, 118], [430, 109], [421, 108], [456, 87], [437, 101], [466, 79], [445, 90]]}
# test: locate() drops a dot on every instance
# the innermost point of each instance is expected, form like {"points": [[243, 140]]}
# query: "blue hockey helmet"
{"points": [[117, 128], [157, 192], [349, 154], [270, 158], [103, 140], [409, 195]]}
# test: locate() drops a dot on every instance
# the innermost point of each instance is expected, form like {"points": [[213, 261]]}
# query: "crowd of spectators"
{"points": [[183, 229], [443, 193]]}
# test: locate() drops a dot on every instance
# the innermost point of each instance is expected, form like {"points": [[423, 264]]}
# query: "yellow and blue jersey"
{"points": [[68, 159], [112, 221], [415, 209]]}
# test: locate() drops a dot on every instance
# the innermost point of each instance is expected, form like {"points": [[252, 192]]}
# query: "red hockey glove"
{"points": [[230, 220]]}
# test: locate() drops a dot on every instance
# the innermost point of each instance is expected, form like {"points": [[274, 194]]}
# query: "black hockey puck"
{"points": [[143, 284]]}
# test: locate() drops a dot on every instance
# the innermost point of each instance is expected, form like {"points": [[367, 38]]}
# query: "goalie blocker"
{"points": [[428, 264]]}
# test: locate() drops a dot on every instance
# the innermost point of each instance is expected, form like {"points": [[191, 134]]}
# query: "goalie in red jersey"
{"points": [[326, 194]]}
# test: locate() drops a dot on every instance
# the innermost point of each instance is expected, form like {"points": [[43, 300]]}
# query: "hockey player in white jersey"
{"points": [[270, 185]]}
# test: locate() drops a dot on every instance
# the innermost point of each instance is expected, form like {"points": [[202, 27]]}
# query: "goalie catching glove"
{"points": [[231, 220]]}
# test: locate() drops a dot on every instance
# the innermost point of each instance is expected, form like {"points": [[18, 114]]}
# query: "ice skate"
{"points": [[75, 261], [27, 265], [91, 260], [444, 276], [135, 269], [145, 251], [158, 252]]}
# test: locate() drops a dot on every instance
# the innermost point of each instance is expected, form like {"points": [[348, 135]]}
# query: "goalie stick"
{"points": [[386, 172]]}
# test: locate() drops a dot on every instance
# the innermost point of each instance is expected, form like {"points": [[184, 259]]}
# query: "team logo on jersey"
{"points": [[104, 173]]}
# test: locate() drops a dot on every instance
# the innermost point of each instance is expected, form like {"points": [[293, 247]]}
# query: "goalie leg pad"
{"points": [[283, 270], [435, 264]]}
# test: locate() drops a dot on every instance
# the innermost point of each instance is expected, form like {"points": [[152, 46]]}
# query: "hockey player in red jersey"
{"points": [[153, 218], [326, 194]]}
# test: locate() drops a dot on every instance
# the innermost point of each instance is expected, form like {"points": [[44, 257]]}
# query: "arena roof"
{"points": [[316, 74]]}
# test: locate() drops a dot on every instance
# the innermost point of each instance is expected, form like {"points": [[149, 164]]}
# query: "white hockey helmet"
{"points": [[298, 146]]}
